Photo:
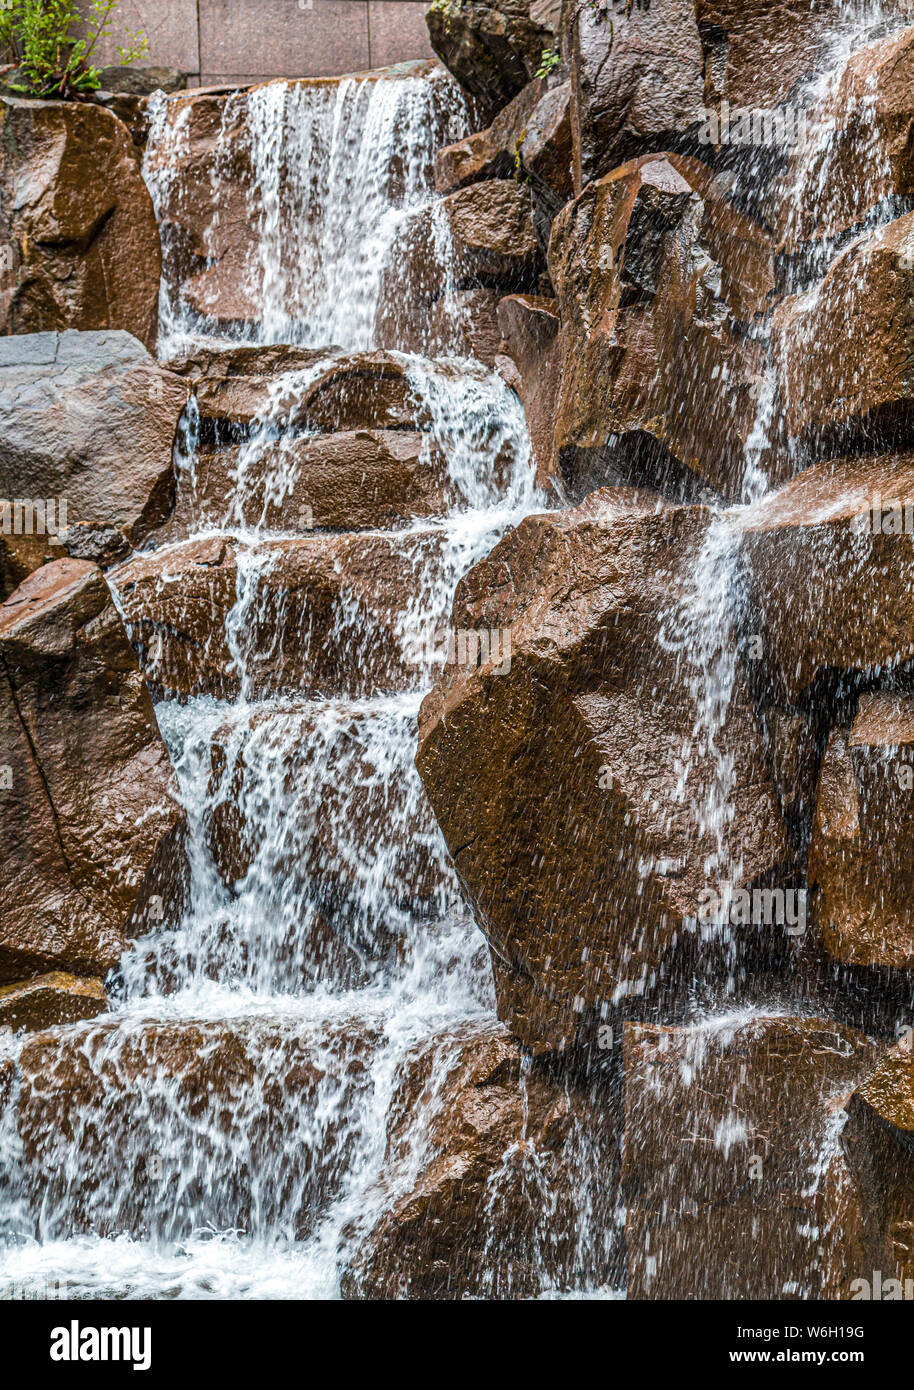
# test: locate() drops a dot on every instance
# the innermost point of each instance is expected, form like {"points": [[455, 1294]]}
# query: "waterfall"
{"points": [[324, 936], [321, 945], [338, 174]]}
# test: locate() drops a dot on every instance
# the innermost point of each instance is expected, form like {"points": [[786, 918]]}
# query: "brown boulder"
{"points": [[492, 231], [733, 1173], [92, 825], [50, 999], [870, 109], [880, 1138], [545, 146], [493, 47], [495, 1208], [324, 615], [465, 324], [360, 479], [301, 388], [574, 797], [77, 215], [529, 327], [232, 1122], [532, 134], [636, 80], [644, 75], [842, 351], [819, 576], [489, 153], [860, 858], [88, 423], [652, 267]]}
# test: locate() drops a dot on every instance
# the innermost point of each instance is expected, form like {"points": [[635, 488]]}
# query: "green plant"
{"points": [[43, 38], [549, 61]]}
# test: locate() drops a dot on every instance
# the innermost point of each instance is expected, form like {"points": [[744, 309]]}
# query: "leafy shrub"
{"points": [[41, 37]]}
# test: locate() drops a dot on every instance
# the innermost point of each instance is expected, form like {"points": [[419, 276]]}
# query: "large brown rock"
{"points": [[643, 75], [508, 1158], [843, 350], [545, 149], [654, 272], [92, 826], [861, 858], [79, 221], [575, 798], [323, 613], [870, 110], [826, 592], [359, 479], [489, 153], [493, 47], [231, 1121], [88, 421], [636, 80], [492, 232], [50, 999], [880, 1140], [532, 133], [530, 331], [735, 1181], [300, 388]]}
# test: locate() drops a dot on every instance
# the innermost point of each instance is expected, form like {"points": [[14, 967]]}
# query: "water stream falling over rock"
{"points": [[522, 908]]}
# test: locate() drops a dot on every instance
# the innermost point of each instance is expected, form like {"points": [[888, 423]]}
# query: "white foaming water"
{"points": [[247, 1077], [702, 628], [340, 173]]}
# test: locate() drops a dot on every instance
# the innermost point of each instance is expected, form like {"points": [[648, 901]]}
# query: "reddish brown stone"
{"points": [[533, 772], [51, 999], [326, 617], [818, 574], [630, 260], [91, 822], [733, 1173], [89, 420], [495, 1207], [493, 47], [860, 858], [360, 479], [492, 231], [530, 328], [80, 222], [843, 350]]}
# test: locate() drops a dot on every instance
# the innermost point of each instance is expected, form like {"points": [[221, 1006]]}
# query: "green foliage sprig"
{"points": [[42, 38]]}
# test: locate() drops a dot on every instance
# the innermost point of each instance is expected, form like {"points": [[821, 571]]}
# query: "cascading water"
{"points": [[322, 938], [323, 935]]}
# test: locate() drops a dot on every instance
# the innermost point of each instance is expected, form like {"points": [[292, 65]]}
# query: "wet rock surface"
{"points": [[735, 1180], [581, 744], [493, 49], [47, 1000], [92, 826], [653, 271], [860, 853], [235, 1092], [80, 222], [503, 1145], [320, 606], [87, 425]]}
